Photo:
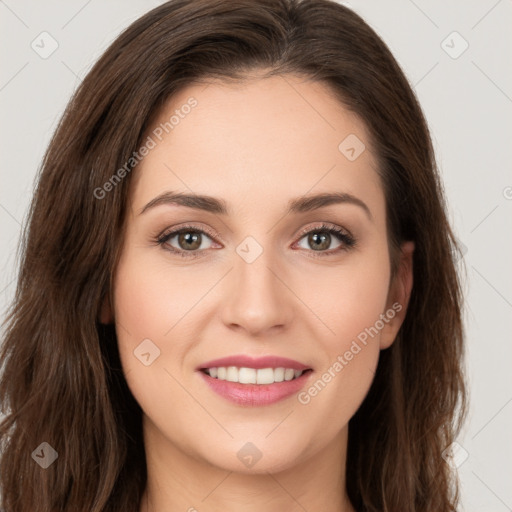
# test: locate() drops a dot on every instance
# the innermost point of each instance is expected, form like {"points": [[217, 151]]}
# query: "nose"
{"points": [[256, 298]]}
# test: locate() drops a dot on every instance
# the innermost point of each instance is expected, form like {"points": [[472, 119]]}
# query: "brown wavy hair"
{"points": [[62, 380]]}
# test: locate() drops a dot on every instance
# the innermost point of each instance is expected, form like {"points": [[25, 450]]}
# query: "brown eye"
{"points": [[319, 240], [189, 240], [186, 240]]}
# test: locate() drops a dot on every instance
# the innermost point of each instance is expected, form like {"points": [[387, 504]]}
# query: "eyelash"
{"points": [[344, 237]]}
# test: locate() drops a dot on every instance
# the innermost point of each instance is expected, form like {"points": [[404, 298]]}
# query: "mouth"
{"points": [[255, 382]]}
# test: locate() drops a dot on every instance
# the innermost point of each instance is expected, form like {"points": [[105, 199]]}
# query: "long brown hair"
{"points": [[62, 381]]}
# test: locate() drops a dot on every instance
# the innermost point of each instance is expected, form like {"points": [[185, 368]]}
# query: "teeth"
{"points": [[279, 374], [232, 374], [252, 376], [246, 375]]}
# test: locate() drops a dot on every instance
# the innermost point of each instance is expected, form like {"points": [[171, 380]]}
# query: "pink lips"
{"points": [[255, 394], [257, 363]]}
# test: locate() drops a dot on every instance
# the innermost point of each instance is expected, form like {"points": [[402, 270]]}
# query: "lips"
{"points": [[245, 361], [248, 393]]}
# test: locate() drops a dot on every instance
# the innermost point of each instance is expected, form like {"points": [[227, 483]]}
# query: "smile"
{"points": [[259, 376], [255, 387]]}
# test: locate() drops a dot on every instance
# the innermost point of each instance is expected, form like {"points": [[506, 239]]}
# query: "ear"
{"points": [[106, 315], [398, 296]]}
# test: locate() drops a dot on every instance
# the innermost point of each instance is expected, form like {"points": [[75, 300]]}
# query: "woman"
{"points": [[237, 289]]}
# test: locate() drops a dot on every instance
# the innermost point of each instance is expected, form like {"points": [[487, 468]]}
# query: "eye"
{"points": [[186, 241], [320, 239]]}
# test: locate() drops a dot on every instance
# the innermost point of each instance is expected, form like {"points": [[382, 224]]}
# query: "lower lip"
{"points": [[256, 394]]}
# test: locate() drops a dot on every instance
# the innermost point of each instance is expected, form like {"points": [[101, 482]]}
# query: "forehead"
{"points": [[275, 137]]}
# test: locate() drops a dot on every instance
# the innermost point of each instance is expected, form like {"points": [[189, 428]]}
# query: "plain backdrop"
{"points": [[457, 56]]}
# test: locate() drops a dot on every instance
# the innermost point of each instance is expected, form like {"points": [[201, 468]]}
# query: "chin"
{"points": [[254, 457]]}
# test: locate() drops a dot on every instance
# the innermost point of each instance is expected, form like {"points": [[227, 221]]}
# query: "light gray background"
{"points": [[468, 104]]}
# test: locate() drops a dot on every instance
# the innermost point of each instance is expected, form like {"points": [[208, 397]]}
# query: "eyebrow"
{"points": [[220, 207]]}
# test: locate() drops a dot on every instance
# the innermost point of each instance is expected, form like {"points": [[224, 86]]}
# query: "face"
{"points": [[260, 271]]}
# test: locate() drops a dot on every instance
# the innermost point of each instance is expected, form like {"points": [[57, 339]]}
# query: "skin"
{"points": [[256, 146]]}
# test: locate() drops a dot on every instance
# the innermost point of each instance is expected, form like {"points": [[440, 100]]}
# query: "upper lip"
{"points": [[245, 361]]}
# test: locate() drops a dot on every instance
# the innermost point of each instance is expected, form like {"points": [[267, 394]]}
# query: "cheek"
{"points": [[150, 300], [154, 308], [358, 308], [147, 307], [349, 356], [142, 316], [351, 306], [352, 300]]}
